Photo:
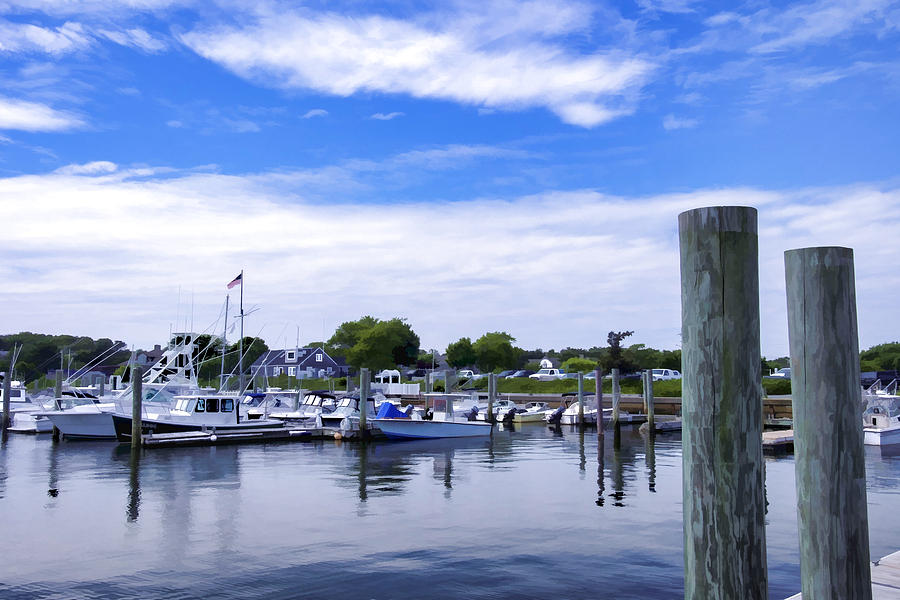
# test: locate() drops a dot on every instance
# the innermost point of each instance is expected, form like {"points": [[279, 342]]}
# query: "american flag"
{"points": [[236, 281]]}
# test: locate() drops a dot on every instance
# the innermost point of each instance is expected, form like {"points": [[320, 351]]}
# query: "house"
{"points": [[145, 358], [300, 363]]}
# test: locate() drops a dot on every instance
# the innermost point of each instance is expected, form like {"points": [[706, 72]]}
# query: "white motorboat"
{"points": [[196, 412], [570, 414], [25, 411], [311, 405], [444, 423], [346, 415], [881, 417], [501, 408], [533, 412], [91, 418]]}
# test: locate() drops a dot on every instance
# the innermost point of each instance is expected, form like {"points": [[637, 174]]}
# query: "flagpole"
{"points": [[241, 346], [224, 345]]}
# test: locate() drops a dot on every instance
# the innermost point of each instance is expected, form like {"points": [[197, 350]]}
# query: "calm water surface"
{"points": [[532, 513]]}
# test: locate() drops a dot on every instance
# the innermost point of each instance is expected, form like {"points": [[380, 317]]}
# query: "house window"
{"points": [[318, 357], [276, 371], [292, 371], [290, 355]]}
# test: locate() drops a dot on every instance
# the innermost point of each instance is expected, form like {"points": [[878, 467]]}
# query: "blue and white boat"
{"points": [[444, 423]]}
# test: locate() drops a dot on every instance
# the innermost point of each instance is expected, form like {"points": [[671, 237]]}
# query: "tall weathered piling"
{"points": [[57, 394], [616, 396], [648, 399], [137, 396], [492, 396], [827, 411], [581, 400], [723, 489], [363, 399], [598, 391], [4, 422]]}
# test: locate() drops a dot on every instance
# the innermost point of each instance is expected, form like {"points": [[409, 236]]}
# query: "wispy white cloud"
{"points": [[135, 38], [25, 37], [494, 265], [315, 112], [32, 116], [386, 116], [671, 122], [510, 61]]}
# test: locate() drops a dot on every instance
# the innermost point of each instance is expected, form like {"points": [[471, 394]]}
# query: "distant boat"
{"points": [[444, 423], [533, 412], [25, 411], [881, 418]]}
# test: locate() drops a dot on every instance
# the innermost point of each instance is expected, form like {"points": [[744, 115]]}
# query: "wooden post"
{"points": [[363, 398], [828, 438], [581, 400], [137, 397], [492, 395], [616, 396], [648, 396], [102, 390], [7, 384], [724, 478], [57, 391], [598, 391]]}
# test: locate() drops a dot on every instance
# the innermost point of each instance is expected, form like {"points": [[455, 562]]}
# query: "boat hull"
{"points": [[888, 436], [84, 425], [29, 422], [122, 425], [419, 430]]}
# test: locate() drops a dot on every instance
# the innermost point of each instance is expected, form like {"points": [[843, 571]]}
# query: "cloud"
{"points": [[386, 117], [32, 116], [315, 112], [25, 37], [489, 270], [509, 61], [671, 122], [135, 38]]}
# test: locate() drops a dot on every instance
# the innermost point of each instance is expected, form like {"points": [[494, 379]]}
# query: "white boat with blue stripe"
{"points": [[443, 424]]}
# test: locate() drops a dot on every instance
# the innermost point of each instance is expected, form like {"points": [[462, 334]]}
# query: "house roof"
{"points": [[305, 357]]}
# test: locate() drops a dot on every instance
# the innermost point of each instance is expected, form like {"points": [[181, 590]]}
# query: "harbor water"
{"points": [[529, 513]]}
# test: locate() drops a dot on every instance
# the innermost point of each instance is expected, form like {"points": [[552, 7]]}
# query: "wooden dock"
{"points": [[778, 442], [885, 578], [211, 437]]}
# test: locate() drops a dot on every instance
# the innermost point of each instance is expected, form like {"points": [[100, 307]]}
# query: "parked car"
{"points": [[782, 373], [520, 373], [548, 375], [665, 374], [465, 374], [505, 374], [414, 373]]}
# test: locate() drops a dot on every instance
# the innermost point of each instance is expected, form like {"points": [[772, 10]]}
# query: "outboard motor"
{"points": [[508, 417], [409, 410], [556, 416], [471, 413]]}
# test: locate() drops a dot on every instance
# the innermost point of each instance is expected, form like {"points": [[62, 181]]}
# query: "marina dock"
{"points": [[885, 578], [778, 442], [245, 436]]}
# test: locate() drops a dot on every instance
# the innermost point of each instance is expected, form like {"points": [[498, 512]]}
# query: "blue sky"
{"points": [[470, 166]]}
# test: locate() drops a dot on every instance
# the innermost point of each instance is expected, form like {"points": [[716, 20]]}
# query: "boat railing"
{"points": [[876, 387]]}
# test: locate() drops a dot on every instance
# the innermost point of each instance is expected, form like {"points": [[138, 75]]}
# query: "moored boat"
{"points": [[444, 423], [881, 417]]}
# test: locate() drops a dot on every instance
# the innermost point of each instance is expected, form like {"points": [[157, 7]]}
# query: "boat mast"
{"points": [[224, 345], [241, 345]]}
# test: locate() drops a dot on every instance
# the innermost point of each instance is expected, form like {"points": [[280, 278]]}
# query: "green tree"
{"points": [[615, 359], [495, 350], [579, 365], [460, 353], [384, 345], [348, 335]]}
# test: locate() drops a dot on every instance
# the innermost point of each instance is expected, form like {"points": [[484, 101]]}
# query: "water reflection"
{"points": [[53, 476], [617, 475], [650, 459], [582, 465], [600, 473], [133, 507]]}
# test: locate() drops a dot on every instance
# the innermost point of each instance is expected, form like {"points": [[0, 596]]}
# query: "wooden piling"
{"points": [[5, 421], [492, 395], [616, 396], [648, 399], [723, 482], [581, 400], [57, 391], [598, 391], [827, 411], [363, 399], [137, 397], [102, 390]]}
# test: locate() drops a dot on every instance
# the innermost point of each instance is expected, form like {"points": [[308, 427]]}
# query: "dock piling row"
{"points": [[137, 396]]}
